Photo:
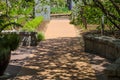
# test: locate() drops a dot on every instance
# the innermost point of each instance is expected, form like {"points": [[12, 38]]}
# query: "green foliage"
{"points": [[57, 3], [59, 6], [15, 11], [4, 52], [40, 36], [20, 7], [5, 23], [90, 12], [2, 7], [33, 24], [55, 10], [93, 10], [18, 11], [10, 40]]}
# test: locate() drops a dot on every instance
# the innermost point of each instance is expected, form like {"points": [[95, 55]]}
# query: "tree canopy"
{"points": [[93, 10]]}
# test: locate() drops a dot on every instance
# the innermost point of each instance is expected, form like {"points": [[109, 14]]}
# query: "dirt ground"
{"points": [[60, 28], [60, 57]]}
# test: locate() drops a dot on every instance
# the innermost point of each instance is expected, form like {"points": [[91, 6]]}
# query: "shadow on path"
{"points": [[60, 59]]}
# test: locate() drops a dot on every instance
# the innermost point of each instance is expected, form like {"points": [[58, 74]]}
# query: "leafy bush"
{"points": [[59, 6], [55, 10], [10, 40], [40, 36], [105, 12], [33, 24], [13, 40], [91, 14], [57, 3], [4, 51]]}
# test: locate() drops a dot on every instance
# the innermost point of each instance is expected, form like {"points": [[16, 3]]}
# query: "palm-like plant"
{"points": [[8, 42], [9, 13]]}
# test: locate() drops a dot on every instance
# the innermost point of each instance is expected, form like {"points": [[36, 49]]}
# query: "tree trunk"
{"points": [[83, 18], [33, 16], [7, 7], [102, 25]]}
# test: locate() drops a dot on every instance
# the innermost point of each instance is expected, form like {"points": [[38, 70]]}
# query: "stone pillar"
{"points": [[42, 9], [70, 4]]}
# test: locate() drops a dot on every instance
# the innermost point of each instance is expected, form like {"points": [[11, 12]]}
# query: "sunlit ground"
{"points": [[58, 59]]}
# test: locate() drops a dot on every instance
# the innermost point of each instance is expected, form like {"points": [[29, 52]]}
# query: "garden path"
{"points": [[60, 28], [59, 57]]}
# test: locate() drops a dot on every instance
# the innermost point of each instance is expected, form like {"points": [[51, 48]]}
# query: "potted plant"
{"points": [[8, 42], [30, 34]]}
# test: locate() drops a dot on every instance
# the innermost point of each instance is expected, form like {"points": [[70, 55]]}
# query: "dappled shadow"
{"points": [[11, 72], [58, 59], [99, 64]]}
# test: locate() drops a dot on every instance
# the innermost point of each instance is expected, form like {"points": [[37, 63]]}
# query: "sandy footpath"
{"points": [[59, 57], [60, 28]]}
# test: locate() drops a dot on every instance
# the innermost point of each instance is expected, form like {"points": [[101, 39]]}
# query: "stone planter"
{"points": [[8, 41], [28, 38], [113, 70], [5, 54], [105, 46]]}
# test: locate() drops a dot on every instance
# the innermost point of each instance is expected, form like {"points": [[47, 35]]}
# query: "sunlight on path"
{"points": [[60, 28], [59, 58]]}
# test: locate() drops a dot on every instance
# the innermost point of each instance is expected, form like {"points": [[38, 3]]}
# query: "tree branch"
{"points": [[12, 23], [116, 7], [110, 16]]}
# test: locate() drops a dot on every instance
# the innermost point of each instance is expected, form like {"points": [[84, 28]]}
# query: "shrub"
{"points": [[33, 24], [10, 40], [55, 10], [40, 36], [103, 12]]}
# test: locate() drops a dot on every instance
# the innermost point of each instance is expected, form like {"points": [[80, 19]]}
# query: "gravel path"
{"points": [[60, 57]]}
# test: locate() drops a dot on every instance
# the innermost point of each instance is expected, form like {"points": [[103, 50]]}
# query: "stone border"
{"points": [[113, 70], [105, 46], [26, 38]]}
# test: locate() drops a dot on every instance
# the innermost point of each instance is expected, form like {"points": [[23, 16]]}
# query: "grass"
{"points": [[40, 36], [59, 10]]}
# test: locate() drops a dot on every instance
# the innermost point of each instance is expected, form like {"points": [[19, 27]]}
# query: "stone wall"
{"points": [[26, 38], [105, 46], [42, 9], [113, 70]]}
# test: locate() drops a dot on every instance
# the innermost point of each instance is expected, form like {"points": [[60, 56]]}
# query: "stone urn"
{"points": [[8, 42], [5, 54]]}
